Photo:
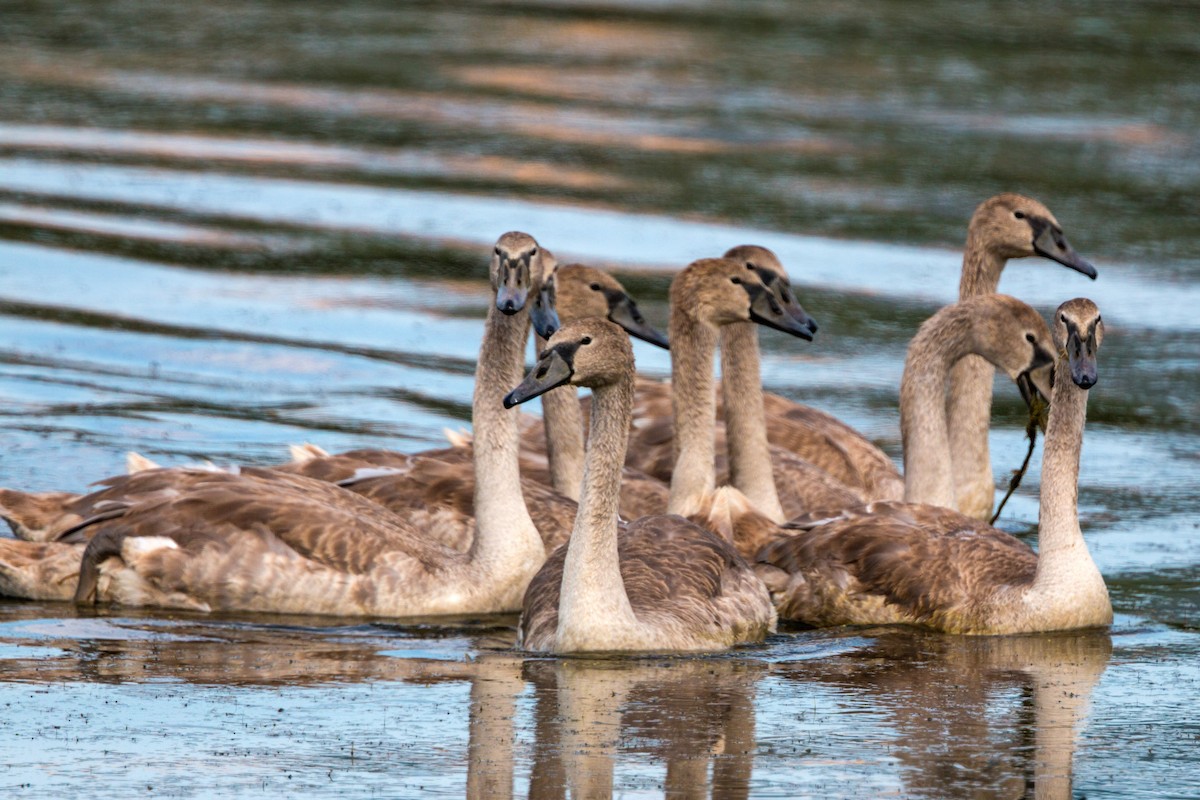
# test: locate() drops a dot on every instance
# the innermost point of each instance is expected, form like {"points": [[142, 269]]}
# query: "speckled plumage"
{"points": [[933, 567], [435, 490], [659, 584], [683, 582]]}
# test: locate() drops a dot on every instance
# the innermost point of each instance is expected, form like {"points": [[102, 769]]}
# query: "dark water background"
{"points": [[227, 227]]}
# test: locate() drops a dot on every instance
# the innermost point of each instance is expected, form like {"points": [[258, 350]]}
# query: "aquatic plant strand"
{"points": [[1037, 410]]}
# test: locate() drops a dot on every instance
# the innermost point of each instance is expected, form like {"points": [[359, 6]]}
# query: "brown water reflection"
{"points": [[963, 708], [936, 716]]}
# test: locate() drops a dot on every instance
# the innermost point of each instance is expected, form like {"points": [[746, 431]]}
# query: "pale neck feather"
{"points": [[562, 420], [490, 731], [506, 541], [923, 426], [693, 344], [593, 608], [1065, 567], [750, 469], [969, 406]]}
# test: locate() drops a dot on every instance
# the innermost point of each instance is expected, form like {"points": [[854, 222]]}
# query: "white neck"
{"points": [[562, 419], [593, 608], [506, 541], [970, 402], [490, 731], [1065, 567], [750, 469], [693, 344]]}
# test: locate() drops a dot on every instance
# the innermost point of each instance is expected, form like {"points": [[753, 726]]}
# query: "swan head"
{"points": [[1016, 226], [520, 269], [587, 292], [1078, 332], [721, 291], [1016, 339], [590, 352], [772, 273]]}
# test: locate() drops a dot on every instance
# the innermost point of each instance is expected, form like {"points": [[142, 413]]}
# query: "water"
{"points": [[228, 228]]}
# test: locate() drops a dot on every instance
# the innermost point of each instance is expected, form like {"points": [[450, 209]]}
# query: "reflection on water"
{"points": [[228, 227], [930, 715]]}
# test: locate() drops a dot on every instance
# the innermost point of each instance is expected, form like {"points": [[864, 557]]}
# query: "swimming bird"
{"points": [[929, 566], [267, 540], [659, 584]]}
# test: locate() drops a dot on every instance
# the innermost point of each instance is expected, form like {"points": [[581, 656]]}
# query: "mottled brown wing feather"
{"points": [[669, 566], [435, 491], [923, 575]]}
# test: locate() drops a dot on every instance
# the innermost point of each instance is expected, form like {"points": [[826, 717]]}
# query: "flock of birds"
{"points": [[655, 527]]}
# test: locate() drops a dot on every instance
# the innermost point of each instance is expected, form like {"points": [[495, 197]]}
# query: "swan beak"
{"points": [[1081, 355], [552, 370], [511, 299], [624, 312], [543, 314], [1035, 385], [514, 285], [1050, 243], [765, 309]]}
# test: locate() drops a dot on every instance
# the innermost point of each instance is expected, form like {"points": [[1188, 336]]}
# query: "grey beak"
{"points": [[511, 299], [624, 312], [765, 309], [1051, 244], [1081, 356], [514, 285], [552, 370], [544, 315]]}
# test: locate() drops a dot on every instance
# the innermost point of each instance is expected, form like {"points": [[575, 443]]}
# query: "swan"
{"points": [[269, 540], [935, 568], [659, 584]]}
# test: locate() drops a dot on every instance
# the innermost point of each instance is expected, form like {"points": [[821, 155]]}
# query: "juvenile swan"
{"points": [[659, 584], [1002, 227], [264, 540], [903, 566]]}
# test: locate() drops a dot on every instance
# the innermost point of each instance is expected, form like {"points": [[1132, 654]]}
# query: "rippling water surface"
{"points": [[228, 227]]}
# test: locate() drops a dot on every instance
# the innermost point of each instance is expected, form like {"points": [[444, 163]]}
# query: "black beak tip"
{"points": [[508, 307], [1086, 381], [812, 326], [509, 400]]}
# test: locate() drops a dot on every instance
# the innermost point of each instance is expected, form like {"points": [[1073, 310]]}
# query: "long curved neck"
{"points": [[504, 530], [562, 419], [1062, 554], [923, 426], [692, 346], [969, 406], [593, 608], [750, 468]]}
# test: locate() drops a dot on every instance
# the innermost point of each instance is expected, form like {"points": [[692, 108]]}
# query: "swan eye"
{"points": [[735, 280], [1019, 214], [586, 340], [1063, 317], [533, 252], [498, 251], [595, 287], [749, 265], [1029, 337]]}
